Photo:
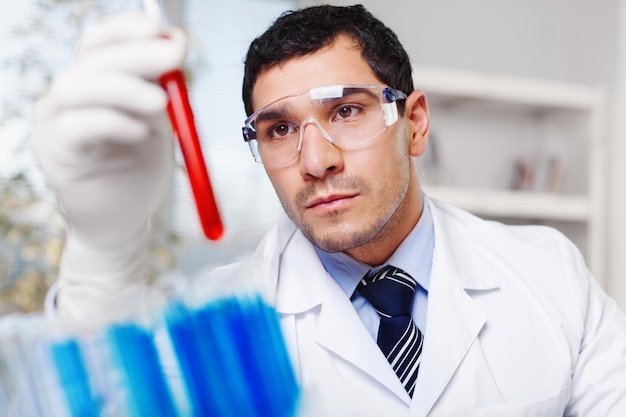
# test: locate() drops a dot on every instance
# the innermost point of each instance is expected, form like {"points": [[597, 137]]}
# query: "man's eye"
{"points": [[346, 112], [280, 130]]}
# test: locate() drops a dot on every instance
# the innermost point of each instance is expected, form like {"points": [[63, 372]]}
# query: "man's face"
{"points": [[363, 201]]}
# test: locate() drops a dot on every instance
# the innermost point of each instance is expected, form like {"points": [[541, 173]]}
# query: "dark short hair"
{"points": [[302, 32]]}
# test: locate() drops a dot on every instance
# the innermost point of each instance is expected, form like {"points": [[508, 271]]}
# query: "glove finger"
{"points": [[119, 164], [80, 130], [148, 58], [118, 28], [124, 188], [121, 91]]}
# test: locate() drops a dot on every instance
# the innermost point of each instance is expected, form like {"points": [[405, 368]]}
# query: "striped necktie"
{"points": [[390, 291]]}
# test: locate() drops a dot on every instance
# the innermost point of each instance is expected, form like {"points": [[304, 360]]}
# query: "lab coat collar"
{"points": [[454, 247], [454, 320], [305, 285], [301, 292], [302, 277]]}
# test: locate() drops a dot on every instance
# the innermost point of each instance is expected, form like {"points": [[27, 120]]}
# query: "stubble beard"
{"points": [[380, 224]]}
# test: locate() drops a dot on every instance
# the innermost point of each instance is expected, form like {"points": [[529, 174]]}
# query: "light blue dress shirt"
{"points": [[414, 256]]}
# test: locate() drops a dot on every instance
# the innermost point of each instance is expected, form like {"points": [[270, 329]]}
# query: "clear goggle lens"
{"points": [[346, 115]]}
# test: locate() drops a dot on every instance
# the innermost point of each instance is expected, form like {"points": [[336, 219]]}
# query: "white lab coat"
{"points": [[516, 326]]}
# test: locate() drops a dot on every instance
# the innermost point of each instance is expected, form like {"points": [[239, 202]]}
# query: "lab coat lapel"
{"points": [[305, 284], [454, 319], [452, 326]]}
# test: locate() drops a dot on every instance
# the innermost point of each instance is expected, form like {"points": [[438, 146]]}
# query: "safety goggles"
{"points": [[347, 116]]}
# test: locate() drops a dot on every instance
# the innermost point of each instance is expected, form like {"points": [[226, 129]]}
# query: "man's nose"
{"points": [[318, 156]]}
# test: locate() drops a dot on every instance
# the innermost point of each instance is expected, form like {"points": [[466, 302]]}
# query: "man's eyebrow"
{"points": [[352, 91], [278, 112], [347, 92]]}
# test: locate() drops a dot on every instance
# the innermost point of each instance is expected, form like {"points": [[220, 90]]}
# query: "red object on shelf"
{"points": [[181, 116]]}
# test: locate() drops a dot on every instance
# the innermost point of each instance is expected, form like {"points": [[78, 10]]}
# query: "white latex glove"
{"points": [[105, 146]]}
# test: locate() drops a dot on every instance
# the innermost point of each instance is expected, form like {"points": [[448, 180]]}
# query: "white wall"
{"points": [[571, 40], [581, 41], [617, 171]]}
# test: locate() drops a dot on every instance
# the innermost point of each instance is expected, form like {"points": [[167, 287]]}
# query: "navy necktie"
{"points": [[390, 291]]}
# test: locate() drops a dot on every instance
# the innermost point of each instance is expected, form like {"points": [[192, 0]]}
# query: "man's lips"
{"points": [[331, 201]]}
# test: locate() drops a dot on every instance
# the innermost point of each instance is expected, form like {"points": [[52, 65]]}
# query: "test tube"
{"points": [[182, 119], [181, 116]]}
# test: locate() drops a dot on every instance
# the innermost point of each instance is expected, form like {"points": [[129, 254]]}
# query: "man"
{"points": [[501, 320]]}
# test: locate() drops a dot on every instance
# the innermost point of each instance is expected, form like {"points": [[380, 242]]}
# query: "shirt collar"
{"points": [[414, 256]]}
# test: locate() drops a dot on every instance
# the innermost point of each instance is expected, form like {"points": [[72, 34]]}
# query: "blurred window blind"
{"points": [[221, 32], [33, 50], [37, 42]]}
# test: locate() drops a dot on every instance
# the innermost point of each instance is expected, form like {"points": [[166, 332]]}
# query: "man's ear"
{"points": [[418, 117]]}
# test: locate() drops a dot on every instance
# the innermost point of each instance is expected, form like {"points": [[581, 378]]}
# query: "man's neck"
{"points": [[391, 236]]}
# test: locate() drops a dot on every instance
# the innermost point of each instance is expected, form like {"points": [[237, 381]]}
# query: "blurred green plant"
{"points": [[32, 234]]}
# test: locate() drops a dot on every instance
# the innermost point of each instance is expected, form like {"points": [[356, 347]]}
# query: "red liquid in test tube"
{"points": [[181, 116]]}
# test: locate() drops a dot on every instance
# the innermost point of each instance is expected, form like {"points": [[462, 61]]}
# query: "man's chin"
{"points": [[335, 240]]}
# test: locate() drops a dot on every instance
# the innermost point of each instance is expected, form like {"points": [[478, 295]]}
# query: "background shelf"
{"points": [[519, 150], [442, 83], [527, 205]]}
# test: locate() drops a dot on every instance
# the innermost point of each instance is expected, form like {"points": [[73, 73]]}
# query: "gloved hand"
{"points": [[105, 145]]}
